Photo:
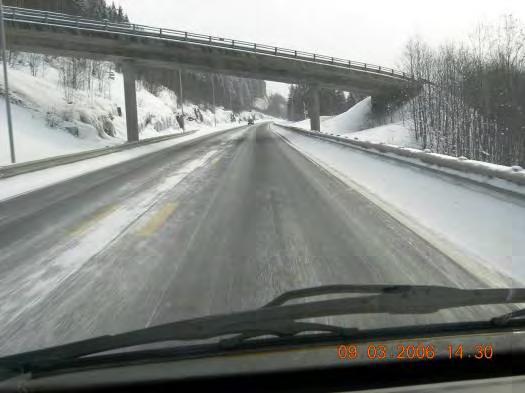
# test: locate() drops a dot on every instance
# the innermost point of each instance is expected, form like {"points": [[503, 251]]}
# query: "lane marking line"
{"points": [[98, 216], [157, 220]]}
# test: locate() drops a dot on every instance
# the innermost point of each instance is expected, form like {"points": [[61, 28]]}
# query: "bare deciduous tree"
{"points": [[474, 103]]}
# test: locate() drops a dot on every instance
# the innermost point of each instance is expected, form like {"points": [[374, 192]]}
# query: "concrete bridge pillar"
{"points": [[314, 108], [130, 97]]}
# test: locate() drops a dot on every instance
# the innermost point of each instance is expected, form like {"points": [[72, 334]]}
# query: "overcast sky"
{"points": [[373, 31]]}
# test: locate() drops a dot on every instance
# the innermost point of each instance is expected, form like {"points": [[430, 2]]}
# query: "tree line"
{"points": [[201, 88], [92, 9], [474, 102]]}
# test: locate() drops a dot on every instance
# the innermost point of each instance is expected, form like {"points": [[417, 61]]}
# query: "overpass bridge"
{"points": [[136, 46]]}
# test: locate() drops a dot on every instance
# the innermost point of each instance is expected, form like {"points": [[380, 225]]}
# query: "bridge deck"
{"points": [[60, 34]]}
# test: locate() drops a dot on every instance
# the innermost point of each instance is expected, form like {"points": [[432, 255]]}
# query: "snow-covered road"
{"points": [[223, 225]]}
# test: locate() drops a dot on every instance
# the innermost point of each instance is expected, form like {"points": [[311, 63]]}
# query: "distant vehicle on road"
{"points": [[251, 122]]}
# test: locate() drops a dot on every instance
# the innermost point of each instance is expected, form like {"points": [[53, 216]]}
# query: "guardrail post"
{"points": [[210, 39], [276, 51], [233, 43], [349, 63], [160, 32], [130, 99], [78, 21], [255, 47], [365, 66], [332, 60], [295, 53], [379, 68], [134, 27], [45, 18], [186, 36], [314, 57], [105, 24]]}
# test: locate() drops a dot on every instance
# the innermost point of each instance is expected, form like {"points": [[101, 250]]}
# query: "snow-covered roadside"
{"points": [[21, 184], [396, 134], [480, 229], [35, 140], [44, 121]]}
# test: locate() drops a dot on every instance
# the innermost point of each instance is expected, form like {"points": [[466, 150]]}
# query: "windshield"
{"points": [[187, 159]]}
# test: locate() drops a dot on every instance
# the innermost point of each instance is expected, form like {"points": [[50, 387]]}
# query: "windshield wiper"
{"points": [[505, 319], [280, 319]]}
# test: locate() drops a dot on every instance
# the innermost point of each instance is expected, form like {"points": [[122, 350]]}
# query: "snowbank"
{"points": [[478, 228], [393, 134], [498, 176], [354, 119]]}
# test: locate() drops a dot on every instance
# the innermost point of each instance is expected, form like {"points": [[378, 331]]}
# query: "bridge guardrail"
{"points": [[25, 15]]}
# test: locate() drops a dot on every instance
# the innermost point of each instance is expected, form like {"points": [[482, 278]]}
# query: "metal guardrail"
{"points": [[435, 162], [25, 15], [44, 163]]}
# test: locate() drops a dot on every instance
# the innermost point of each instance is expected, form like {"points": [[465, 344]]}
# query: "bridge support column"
{"points": [[314, 108], [130, 97]]}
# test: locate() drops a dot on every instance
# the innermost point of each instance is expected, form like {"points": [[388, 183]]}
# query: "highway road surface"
{"points": [[222, 225]]}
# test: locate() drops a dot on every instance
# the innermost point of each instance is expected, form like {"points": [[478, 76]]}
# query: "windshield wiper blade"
{"points": [[279, 315], [505, 319]]}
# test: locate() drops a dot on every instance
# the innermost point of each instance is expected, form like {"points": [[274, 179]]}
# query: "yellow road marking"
{"points": [[99, 215], [157, 220]]}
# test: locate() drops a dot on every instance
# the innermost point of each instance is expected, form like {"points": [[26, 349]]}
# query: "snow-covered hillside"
{"points": [[356, 118], [361, 123], [48, 121]]}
